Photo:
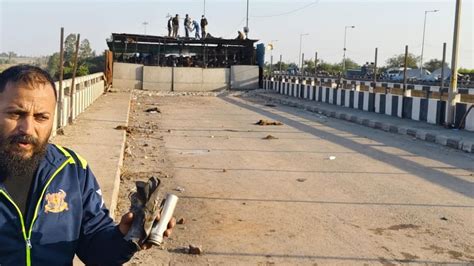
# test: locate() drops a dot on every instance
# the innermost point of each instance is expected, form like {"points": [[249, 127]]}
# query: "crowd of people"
{"points": [[190, 25]]}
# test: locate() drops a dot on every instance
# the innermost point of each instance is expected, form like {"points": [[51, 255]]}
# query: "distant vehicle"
{"points": [[293, 70], [412, 75], [391, 73], [436, 75], [365, 72]]}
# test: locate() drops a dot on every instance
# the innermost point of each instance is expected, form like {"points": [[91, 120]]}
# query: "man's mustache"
{"points": [[26, 139]]}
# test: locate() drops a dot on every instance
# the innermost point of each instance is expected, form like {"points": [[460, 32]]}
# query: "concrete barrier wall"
{"points": [[154, 78], [127, 76], [244, 77], [157, 78], [214, 79], [432, 111], [185, 78]]}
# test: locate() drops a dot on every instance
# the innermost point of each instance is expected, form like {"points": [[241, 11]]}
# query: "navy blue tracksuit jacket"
{"points": [[66, 216]]}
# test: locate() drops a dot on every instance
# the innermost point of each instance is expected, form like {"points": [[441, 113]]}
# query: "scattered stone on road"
{"points": [[153, 110], [270, 137], [262, 122], [195, 250]]}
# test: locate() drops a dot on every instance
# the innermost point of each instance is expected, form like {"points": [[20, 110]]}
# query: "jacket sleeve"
{"points": [[100, 242]]}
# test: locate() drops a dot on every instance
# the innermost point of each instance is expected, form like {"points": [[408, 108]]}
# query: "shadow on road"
{"points": [[429, 174]]}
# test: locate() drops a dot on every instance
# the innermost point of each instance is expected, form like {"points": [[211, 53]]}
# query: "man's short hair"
{"points": [[27, 75]]}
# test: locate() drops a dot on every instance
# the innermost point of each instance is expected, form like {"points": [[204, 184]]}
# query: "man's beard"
{"points": [[13, 162]]}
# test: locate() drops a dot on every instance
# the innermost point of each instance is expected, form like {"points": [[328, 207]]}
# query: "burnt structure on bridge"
{"points": [[181, 52]]}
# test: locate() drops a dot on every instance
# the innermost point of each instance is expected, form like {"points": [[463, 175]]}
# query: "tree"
{"points": [[53, 65], [280, 65], [434, 64], [309, 66], [399, 61], [69, 49], [85, 50], [350, 64], [329, 68]]}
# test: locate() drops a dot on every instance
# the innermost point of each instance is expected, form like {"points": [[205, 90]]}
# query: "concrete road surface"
{"points": [[324, 191]]}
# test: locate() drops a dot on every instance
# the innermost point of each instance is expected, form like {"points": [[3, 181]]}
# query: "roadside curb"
{"points": [[116, 186], [455, 143]]}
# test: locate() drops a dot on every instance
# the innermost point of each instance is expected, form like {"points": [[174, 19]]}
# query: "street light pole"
{"points": [[423, 42], [204, 13], [271, 55], [246, 29], [299, 55], [344, 55], [144, 24]]}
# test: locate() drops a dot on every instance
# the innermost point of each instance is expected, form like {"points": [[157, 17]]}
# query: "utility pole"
{"points": [[315, 64], [280, 63], [375, 66], [72, 90], [302, 65], [441, 86], [405, 93], [246, 29], [204, 12], [453, 96], [61, 75], [299, 54]]}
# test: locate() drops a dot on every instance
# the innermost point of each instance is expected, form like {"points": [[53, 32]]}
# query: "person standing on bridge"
{"points": [[196, 28], [187, 25], [175, 26], [204, 26], [51, 206], [170, 26]]}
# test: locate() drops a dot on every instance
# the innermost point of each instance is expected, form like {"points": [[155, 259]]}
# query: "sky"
{"points": [[32, 27]]}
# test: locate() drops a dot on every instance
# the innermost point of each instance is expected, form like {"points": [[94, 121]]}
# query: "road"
{"points": [[384, 199]]}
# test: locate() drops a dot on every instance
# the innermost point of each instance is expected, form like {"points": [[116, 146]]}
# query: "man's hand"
{"points": [[126, 223]]}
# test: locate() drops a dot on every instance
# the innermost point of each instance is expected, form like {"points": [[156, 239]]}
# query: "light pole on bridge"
{"points": [[299, 55], [423, 42], [344, 54]]}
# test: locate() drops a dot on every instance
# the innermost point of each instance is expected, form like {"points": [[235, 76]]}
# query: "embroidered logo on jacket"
{"points": [[55, 202]]}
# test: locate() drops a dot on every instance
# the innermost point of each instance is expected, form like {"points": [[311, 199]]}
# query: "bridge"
{"points": [[338, 179]]}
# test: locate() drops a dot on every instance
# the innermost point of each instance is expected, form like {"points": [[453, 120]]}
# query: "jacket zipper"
{"points": [[26, 236], [23, 230]]}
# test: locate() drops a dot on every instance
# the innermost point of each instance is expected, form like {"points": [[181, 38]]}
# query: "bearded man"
{"points": [[51, 207]]}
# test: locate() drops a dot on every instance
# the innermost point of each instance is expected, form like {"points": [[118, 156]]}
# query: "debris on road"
{"points": [[60, 132], [153, 110], [332, 158], [180, 189], [443, 218], [270, 137], [262, 122], [195, 250], [301, 179], [270, 105], [121, 127], [181, 221], [224, 170], [128, 151]]}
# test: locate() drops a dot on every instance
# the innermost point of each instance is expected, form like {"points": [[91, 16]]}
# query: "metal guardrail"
{"points": [[88, 89]]}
